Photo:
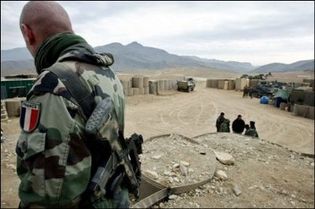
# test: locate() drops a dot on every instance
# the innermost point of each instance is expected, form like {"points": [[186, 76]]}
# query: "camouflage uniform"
{"points": [[219, 121], [251, 132], [225, 126], [53, 161]]}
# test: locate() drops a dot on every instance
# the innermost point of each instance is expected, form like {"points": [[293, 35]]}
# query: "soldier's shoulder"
{"points": [[48, 82]]}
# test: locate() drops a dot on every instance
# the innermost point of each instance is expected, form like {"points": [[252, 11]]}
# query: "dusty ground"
{"points": [[195, 113], [264, 174], [191, 115]]}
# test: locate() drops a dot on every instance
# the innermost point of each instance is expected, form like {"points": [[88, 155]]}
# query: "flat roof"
{"points": [[17, 79]]}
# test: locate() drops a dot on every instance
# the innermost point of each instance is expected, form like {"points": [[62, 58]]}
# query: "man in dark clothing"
{"points": [[219, 121], [245, 91], [238, 125]]}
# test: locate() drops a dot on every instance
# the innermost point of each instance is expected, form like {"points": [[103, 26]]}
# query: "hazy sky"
{"points": [[256, 32]]}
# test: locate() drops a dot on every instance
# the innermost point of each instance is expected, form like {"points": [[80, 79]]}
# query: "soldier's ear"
{"points": [[29, 37], [28, 34]]}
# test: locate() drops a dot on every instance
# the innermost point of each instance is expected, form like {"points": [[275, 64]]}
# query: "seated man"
{"points": [[219, 121], [251, 130], [238, 125], [225, 126]]}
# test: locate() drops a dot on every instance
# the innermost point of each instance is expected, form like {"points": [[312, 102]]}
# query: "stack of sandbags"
{"points": [[146, 85], [166, 86], [309, 98], [208, 81], [231, 85], [303, 111], [172, 84], [153, 87], [240, 83], [226, 85], [137, 82], [223, 84], [4, 114], [212, 83], [311, 112], [126, 84], [13, 106], [135, 91], [139, 85], [130, 91], [160, 85]]}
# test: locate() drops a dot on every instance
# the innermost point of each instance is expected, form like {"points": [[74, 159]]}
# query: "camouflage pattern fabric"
{"points": [[53, 162], [225, 126], [219, 121], [251, 132]]}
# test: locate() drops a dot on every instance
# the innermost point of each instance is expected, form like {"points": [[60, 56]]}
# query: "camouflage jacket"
{"points": [[251, 132], [225, 126], [53, 162]]}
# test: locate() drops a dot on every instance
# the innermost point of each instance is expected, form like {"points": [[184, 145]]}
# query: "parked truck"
{"points": [[186, 85]]}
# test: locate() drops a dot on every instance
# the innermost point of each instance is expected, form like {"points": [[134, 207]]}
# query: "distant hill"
{"points": [[304, 65], [137, 56], [133, 56], [225, 65], [17, 67], [15, 54]]}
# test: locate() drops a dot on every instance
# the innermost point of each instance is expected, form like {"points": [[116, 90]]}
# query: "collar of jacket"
{"points": [[57, 45]]}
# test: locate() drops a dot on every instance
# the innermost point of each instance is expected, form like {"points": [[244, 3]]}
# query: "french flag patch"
{"points": [[30, 113]]}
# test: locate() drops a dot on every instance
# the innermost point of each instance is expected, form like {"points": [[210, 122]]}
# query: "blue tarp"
{"points": [[264, 100]]}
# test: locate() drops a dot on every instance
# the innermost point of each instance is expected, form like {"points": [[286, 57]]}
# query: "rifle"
{"points": [[123, 164]]}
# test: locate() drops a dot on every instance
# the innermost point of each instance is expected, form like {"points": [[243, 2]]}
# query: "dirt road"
{"points": [[195, 113]]}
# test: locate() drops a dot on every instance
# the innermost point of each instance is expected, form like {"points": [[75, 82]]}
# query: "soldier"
{"points": [[245, 91], [251, 130], [225, 126], [56, 159], [219, 121], [246, 127], [238, 125]]}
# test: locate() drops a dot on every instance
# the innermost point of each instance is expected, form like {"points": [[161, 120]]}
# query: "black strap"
{"points": [[77, 89]]}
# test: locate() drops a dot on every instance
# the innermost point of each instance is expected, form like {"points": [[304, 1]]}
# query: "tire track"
{"points": [[195, 113]]}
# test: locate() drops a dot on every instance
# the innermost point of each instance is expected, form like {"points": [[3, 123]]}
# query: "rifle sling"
{"points": [[77, 89]]}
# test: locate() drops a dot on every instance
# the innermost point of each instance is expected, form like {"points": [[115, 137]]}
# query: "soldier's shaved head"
{"points": [[42, 19]]}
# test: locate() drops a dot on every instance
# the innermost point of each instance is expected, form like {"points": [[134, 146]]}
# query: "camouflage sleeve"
{"points": [[53, 162]]}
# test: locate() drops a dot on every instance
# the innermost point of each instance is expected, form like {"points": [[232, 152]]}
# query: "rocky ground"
{"points": [[175, 161], [262, 175]]}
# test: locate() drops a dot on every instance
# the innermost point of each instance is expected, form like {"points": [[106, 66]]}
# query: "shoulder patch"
{"points": [[30, 114]]}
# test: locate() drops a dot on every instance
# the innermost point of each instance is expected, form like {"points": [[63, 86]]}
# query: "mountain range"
{"points": [[135, 56], [303, 65]]}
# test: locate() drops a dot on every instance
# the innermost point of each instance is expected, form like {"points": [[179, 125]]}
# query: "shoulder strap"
{"points": [[77, 89]]}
